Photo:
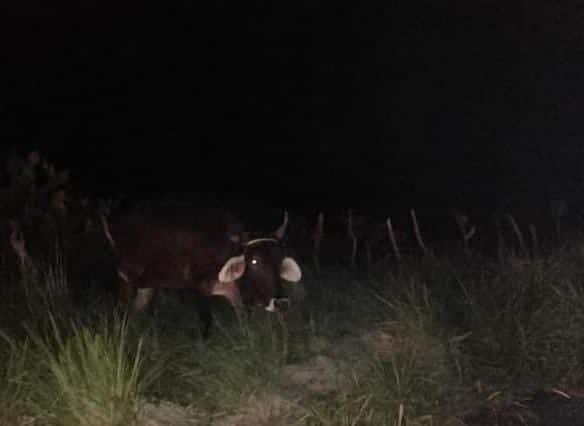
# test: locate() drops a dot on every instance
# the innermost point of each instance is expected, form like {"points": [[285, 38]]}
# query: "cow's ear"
{"points": [[233, 269], [290, 271]]}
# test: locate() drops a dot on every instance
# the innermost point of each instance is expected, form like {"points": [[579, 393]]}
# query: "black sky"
{"points": [[404, 103]]}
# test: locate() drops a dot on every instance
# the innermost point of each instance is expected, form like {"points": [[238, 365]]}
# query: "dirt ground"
{"points": [[275, 410], [322, 374]]}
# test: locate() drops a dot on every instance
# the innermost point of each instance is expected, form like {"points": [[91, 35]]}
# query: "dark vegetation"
{"points": [[391, 325]]}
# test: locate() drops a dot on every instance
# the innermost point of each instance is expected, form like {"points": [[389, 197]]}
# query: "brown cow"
{"points": [[209, 253]]}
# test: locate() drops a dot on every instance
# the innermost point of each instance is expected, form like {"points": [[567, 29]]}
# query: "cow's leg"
{"points": [[126, 290], [142, 300], [132, 294], [205, 314]]}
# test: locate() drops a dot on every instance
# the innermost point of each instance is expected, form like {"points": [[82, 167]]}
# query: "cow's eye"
{"points": [[254, 262]]}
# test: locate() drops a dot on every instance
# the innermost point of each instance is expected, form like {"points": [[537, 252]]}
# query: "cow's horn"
{"points": [[281, 231]]}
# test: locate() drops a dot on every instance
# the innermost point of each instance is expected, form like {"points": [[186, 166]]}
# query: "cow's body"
{"points": [[208, 252]]}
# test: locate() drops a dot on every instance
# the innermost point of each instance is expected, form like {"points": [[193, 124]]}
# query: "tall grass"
{"points": [[41, 288], [241, 358], [419, 381], [526, 322], [17, 376], [93, 374]]}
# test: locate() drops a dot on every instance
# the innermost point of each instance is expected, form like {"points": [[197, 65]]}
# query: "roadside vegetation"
{"points": [[449, 337]]}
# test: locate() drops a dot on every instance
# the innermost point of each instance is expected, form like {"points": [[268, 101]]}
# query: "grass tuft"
{"points": [[93, 374]]}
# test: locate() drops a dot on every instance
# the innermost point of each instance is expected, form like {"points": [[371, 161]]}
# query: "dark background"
{"points": [[429, 104]]}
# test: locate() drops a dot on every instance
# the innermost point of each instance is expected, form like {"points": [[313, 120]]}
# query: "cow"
{"points": [[209, 252]]}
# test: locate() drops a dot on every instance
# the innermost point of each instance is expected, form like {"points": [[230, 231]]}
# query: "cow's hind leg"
{"points": [[131, 294], [143, 298]]}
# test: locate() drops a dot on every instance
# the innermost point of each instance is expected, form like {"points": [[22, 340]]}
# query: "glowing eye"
{"points": [[254, 261]]}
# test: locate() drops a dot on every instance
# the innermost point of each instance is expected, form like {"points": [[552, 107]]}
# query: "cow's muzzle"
{"points": [[278, 304]]}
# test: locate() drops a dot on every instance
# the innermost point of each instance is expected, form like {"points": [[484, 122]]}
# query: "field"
{"points": [[448, 336]]}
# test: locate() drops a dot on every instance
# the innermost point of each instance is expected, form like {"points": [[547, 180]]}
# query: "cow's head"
{"points": [[254, 278]]}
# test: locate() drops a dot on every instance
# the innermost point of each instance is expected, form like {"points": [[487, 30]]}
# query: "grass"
{"points": [[70, 367], [93, 377], [416, 380], [234, 363], [526, 322], [429, 342], [16, 375]]}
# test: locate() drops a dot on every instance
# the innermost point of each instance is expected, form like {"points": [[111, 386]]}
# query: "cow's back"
{"points": [[176, 247]]}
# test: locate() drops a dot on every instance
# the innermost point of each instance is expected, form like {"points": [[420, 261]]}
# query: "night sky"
{"points": [[434, 104]]}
